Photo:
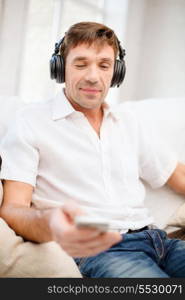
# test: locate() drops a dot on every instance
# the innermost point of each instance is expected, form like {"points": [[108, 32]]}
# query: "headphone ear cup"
{"points": [[119, 73], [57, 69], [53, 67]]}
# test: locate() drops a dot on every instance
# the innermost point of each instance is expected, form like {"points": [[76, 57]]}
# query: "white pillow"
{"points": [[178, 218]]}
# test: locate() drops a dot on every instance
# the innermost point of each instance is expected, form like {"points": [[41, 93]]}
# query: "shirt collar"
{"points": [[61, 108], [110, 111]]}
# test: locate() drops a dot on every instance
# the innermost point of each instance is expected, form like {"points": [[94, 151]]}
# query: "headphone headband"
{"points": [[57, 46]]}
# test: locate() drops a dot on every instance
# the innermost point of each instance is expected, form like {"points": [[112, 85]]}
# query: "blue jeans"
{"points": [[145, 254]]}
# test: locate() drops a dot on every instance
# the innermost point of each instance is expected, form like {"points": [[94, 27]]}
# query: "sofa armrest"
{"points": [[26, 259]]}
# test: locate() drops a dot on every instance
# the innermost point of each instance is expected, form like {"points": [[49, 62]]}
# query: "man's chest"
{"points": [[75, 148]]}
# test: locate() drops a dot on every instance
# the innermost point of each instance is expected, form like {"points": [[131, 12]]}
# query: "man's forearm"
{"points": [[30, 223], [177, 179]]}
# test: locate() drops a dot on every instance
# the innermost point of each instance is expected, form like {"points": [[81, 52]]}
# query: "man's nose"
{"points": [[92, 74]]}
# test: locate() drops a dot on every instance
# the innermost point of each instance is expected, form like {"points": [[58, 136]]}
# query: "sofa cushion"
{"points": [[178, 217], [25, 259]]}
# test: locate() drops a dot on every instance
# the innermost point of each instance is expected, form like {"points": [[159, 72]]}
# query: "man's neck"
{"points": [[96, 120], [94, 116]]}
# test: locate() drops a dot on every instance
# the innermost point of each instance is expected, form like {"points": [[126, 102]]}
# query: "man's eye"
{"points": [[104, 67], [79, 66]]}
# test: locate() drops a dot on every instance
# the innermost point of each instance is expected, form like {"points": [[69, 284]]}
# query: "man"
{"points": [[75, 155]]}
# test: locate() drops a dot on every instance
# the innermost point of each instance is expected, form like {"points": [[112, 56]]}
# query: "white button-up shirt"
{"points": [[55, 149]]}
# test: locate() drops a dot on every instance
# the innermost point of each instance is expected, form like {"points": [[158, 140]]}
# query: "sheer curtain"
{"points": [[29, 30]]}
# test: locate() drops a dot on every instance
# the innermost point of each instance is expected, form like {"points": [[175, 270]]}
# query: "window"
{"points": [[47, 22]]}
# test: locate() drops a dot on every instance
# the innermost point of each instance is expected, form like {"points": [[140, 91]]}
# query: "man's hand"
{"points": [[79, 242]]}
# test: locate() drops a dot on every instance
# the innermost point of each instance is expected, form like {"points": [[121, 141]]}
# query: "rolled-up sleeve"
{"points": [[156, 160], [20, 156]]}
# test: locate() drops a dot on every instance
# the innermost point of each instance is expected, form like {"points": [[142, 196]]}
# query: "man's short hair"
{"points": [[89, 33]]}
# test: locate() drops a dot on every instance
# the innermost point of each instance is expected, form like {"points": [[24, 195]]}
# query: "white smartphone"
{"points": [[86, 221]]}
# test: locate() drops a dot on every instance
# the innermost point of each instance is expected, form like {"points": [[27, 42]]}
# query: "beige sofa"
{"points": [[164, 120]]}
